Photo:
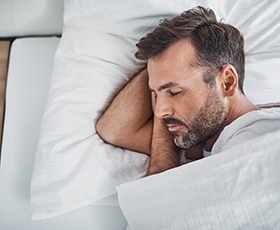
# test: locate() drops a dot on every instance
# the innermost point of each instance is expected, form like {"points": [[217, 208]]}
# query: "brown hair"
{"points": [[216, 43]]}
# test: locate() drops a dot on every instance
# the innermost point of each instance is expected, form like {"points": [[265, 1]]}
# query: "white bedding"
{"points": [[95, 58], [236, 189]]}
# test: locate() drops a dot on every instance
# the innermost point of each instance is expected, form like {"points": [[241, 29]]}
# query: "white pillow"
{"points": [[95, 58]]}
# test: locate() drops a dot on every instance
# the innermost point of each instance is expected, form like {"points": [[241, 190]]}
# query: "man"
{"points": [[195, 74]]}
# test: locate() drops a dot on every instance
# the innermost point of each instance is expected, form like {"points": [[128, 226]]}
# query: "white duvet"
{"points": [[236, 189]]}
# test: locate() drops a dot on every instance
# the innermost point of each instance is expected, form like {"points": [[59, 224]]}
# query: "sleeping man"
{"points": [[189, 98]]}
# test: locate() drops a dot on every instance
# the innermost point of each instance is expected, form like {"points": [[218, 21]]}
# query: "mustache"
{"points": [[173, 121]]}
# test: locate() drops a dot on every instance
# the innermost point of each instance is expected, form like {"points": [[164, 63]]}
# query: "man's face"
{"points": [[192, 111]]}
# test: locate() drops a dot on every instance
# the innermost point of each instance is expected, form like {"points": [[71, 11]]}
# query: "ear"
{"points": [[229, 80]]}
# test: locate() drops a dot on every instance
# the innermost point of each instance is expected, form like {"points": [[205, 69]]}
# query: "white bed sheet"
{"points": [[29, 77]]}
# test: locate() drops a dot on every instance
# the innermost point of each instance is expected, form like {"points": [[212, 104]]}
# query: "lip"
{"points": [[173, 127]]}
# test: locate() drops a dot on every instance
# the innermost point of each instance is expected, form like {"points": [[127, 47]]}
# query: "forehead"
{"points": [[175, 65]]}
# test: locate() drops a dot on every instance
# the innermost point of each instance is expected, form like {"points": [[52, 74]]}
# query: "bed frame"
{"points": [[4, 59]]}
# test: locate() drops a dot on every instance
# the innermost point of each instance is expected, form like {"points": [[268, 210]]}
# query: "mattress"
{"points": [[30, 68]]}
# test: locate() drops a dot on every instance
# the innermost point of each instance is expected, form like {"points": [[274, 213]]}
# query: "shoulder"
{"points": [[247, 127]]}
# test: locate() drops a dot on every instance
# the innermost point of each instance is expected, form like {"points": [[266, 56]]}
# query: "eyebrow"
{"points": [[167, 85]]}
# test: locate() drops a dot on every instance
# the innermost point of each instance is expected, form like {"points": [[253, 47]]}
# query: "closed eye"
{"points": [[173, 94]]}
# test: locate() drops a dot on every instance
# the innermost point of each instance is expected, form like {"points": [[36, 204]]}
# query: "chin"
{"points": [[182, 144]]}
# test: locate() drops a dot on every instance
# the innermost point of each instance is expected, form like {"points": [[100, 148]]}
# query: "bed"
{"points": [[57, 173]]}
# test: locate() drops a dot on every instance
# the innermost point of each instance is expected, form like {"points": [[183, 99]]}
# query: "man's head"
{"points": [[215, 43], [195, 63]]}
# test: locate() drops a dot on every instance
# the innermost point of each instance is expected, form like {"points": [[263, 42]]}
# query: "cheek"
{"points": [[188, 107]]}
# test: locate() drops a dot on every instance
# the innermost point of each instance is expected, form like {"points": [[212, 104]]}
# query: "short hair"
{"points": [[215, 42]]}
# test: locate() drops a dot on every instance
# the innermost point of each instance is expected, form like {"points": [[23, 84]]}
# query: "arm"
{"points": [[127, 122], [165, 154]]}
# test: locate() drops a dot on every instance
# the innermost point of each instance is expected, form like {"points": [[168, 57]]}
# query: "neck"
{"points": [[236, 109]]}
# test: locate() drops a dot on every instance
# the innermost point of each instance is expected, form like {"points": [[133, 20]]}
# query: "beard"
{"points": [[209, 120]]}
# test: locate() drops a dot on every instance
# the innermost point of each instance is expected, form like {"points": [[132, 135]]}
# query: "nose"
{"points": [[163, 109]]}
